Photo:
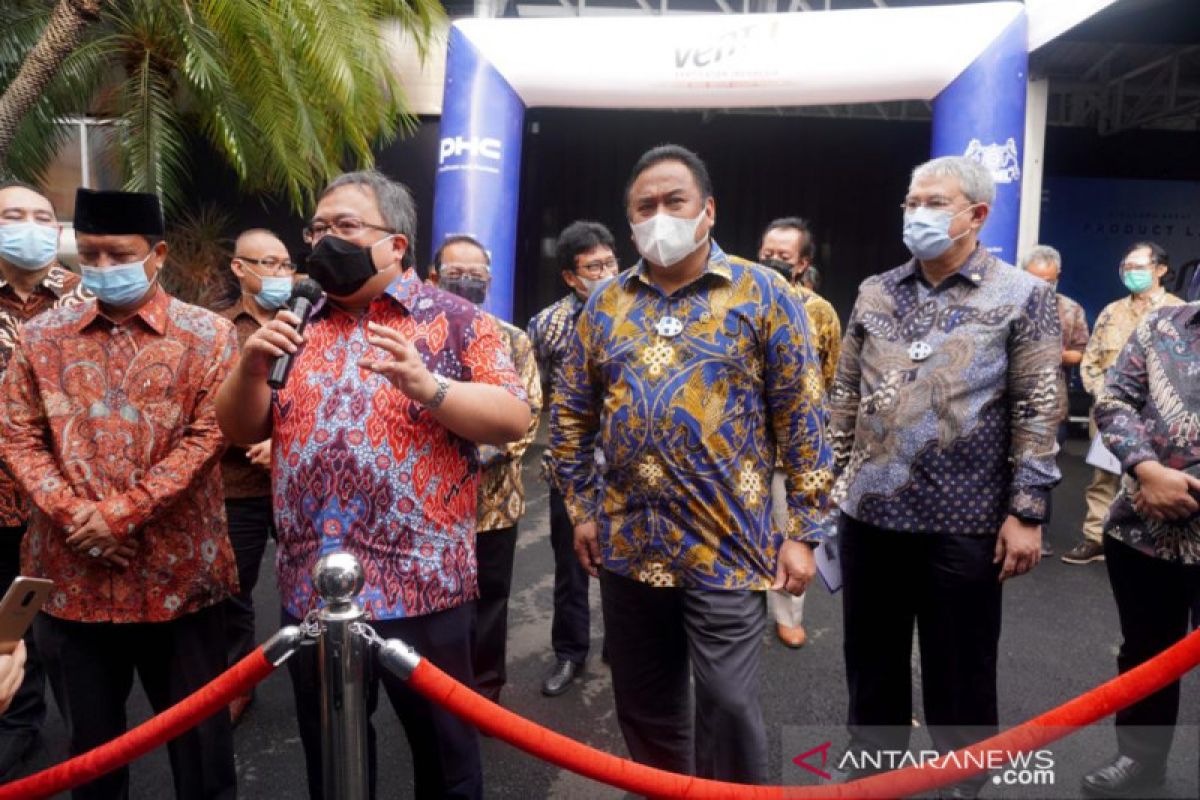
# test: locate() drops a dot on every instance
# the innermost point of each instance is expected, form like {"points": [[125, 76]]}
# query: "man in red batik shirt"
{"points": [[107, 423]]}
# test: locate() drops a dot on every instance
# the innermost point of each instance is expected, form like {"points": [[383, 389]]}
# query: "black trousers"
{"points": [[494, 551], [946, 585], [27, 711], [1154, 600], [445, 750], [91, 667], [570, 632], [251, 522], [658, 640]]}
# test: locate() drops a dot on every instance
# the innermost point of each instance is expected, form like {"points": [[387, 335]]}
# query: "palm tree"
{"points": [[286, 91]]}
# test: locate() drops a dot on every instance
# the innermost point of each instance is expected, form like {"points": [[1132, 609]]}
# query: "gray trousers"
{"points": [[661, 638]]}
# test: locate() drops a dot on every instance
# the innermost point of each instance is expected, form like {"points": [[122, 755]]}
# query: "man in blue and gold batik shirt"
{"points": [[691, 371]]}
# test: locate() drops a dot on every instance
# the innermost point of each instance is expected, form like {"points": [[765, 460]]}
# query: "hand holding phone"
{"points": [[12, 673], [18, 608]]}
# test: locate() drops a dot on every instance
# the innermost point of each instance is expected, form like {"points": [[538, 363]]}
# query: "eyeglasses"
{"points": [[1136, 266], [346, 227], [272, 265], [936, 203], [456, 271], [599, 267]]}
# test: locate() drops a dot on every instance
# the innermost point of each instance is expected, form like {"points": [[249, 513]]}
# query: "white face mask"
{"points": [[666, 240], [590, 285]]}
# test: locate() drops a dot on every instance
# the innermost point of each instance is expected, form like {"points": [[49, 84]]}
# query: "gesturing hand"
{"points": [[403, 366]]}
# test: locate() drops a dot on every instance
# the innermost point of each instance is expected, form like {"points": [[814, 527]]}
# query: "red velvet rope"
{"points": [[430, 681], [545, 744], [158, 730]]}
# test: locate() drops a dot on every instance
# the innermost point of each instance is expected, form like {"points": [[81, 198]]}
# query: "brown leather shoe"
{"points": [[237, 709], [792, 637]]}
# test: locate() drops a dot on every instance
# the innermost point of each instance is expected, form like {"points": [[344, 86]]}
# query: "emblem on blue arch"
{"points": [[1002, 160]]}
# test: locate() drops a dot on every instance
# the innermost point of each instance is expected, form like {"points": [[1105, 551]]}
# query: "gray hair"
{"points": [[974, 178], [1042, 252], [393, 200]]}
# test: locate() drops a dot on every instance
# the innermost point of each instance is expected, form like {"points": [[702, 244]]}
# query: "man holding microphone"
{"points": [[373, 440]]}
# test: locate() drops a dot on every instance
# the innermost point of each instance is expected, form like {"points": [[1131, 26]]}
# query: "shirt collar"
{"points": [[718, 264], [154, 313], [974, 270], [55, 281], [237, 311], [1154, 300], [405, 288]]}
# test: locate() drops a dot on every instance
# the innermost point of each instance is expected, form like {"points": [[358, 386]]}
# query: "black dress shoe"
{"points": [[1123, 777], [560, 678]]}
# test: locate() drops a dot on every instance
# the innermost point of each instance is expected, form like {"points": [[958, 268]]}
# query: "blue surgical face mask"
{"points": [[275, 292], [927, 232], [121, 285], [28, 245]]}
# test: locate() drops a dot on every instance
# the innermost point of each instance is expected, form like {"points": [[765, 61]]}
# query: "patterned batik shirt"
{"points": [[122, 416], [943, 413], [1114, 326], [550, 333], [58, 288], [501, 490], [826, 331], [357, 466], [691, 395], [1150, 411], [1072, 321]]}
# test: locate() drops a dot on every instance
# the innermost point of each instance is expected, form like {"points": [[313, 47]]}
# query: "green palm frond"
{"points": [[288, 92]]}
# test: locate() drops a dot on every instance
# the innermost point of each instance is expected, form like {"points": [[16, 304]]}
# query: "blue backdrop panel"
{"points": [[1093, 221], [479, 164], [982, 115]]}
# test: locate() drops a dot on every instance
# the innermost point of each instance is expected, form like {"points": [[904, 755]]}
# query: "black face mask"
{"points": [[782, 267], [340, 266], [466, 287]]}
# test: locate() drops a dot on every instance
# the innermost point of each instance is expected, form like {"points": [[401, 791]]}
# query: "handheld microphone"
{"points": [[305, 295]]}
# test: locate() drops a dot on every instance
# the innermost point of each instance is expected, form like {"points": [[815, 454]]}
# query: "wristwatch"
{"points": [[443, 386]]}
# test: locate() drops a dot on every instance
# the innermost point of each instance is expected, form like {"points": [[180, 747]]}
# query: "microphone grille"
{"points": [[307, 288]]}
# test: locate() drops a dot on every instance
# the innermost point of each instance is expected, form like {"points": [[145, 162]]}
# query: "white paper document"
{"points": [[829, 563], [1101, 457]]}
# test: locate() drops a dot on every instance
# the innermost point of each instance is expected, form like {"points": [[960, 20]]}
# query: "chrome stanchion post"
{"points": [[338, 578]]}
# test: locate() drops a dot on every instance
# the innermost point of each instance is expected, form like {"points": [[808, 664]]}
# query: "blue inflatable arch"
{"points": [[969, 60]]}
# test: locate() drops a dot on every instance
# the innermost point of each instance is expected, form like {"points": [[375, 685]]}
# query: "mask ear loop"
{"points": [[968, 230]]}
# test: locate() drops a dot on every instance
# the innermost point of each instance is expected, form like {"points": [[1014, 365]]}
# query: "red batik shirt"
{"points": [[357, 466], [59, 287], [123, 416]]}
